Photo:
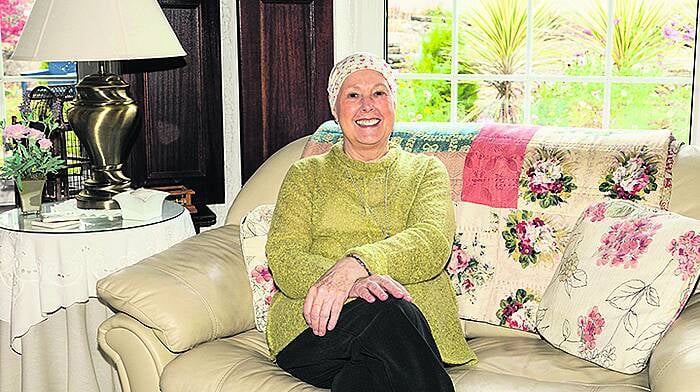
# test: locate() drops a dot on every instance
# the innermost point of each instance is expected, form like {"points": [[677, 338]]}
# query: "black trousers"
{"points": [[381, 346]]}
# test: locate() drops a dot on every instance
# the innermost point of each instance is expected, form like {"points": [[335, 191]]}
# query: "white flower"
{"points": [[546, 242], [546, 172]]}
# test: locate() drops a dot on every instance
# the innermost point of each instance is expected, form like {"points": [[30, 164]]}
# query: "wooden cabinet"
{"points": [[285, 56], [181, 135]]}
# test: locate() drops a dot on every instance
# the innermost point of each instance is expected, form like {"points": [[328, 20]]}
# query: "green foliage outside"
{"points": [[492, 40], [429, 100]]}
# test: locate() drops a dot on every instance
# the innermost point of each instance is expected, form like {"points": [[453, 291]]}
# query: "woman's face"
{"points": [[366, 112]]}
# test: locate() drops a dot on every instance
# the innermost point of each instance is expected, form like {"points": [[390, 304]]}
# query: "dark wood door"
{"points": [[285, 56], [181, 136]]}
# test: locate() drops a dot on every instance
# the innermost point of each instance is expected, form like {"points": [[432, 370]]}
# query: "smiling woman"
{"points": [[365, 110], [357, 246]]}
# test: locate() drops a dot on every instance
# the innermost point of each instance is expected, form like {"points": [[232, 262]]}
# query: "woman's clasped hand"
{"points": [[346, 279]]}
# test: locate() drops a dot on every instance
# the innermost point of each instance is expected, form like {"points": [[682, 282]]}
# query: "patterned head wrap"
{"points": [[353, 63]]}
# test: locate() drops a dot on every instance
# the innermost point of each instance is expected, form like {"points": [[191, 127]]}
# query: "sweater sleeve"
{"points": [[419, 252], [294, 268]]}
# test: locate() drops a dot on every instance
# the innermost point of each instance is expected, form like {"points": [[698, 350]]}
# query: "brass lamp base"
{"points": [[103, 117]]}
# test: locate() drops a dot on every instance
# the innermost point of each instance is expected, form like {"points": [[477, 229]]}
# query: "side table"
{"points": [[49, 312]]}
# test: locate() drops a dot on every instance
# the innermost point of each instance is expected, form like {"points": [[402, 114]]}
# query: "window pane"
{"points": [[420, 35], [654, 37], [561, 41], [13, 99], [492, 36], [568, 104], [499, 101], [652, 106], [423, 100]]}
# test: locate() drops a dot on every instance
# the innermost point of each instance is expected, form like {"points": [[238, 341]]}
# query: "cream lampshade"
{"points": [[104, 112]]}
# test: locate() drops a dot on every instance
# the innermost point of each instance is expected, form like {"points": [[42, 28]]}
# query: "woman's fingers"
{"points": [[316, 315], [394, 288], [377, 290], [308, 303], [363, 292], [322, 309], [335, 313]]}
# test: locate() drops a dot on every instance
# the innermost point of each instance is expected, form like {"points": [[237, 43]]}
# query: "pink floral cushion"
{"points": [[254, 228], [625, 275]]}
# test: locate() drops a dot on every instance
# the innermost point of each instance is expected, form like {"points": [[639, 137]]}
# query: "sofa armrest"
{"points": [[677, 356], [136, 351], [193, 292]]}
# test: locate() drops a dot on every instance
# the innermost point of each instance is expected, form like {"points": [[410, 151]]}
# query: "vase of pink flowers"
{"points": [[29, 161]]}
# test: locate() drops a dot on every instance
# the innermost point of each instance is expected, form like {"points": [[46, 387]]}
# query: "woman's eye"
{"points": [[379, 93], [353, 95]]}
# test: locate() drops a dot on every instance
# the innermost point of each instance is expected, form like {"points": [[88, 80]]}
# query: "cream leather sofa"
{"points": [[184, 319]]}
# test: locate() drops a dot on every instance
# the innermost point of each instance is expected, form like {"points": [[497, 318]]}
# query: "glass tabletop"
{"points": [[14, 220]]}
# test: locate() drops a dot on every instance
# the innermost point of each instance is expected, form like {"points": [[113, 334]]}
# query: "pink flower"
{"points": [[671, 33], [596, 212], [587, 31], [261, 274], [467, 285], [686, 249], [16, 131], [521, 229], [518, 320], [686, 269], [459, 261], [35, 134], [688, 33], [45, 144], [525, 248], [626, 242], [589, 327]]}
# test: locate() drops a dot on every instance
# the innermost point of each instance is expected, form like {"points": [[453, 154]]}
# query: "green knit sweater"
{"points": [[321, 216]]}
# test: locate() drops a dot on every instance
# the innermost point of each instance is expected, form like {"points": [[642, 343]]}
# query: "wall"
{"points": [[229, 69]]}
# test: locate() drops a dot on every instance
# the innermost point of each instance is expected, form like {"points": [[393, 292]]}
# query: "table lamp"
{"points": [[103, 114]]}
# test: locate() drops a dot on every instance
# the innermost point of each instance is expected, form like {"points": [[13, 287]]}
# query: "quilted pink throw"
{"points": [[493, 165]]}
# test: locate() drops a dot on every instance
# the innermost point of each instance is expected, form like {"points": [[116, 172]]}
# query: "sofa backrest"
{"points": [[264, 185]]}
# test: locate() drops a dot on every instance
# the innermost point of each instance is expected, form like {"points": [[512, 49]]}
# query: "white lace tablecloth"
{"points": [[43, 272]]}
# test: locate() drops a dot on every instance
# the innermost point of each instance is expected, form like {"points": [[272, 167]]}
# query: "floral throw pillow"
{"points": [[254, 228], [625, 275]]}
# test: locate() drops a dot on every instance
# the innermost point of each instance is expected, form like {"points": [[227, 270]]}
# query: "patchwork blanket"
{"points": [[517, 193]]}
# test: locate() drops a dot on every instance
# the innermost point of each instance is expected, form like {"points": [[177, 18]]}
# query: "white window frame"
{"points": [[359, 26]]}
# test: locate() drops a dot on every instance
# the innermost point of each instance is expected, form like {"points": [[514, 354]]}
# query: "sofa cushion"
{"points": [[241, 363], [626, 273], [254, 228], [193, 292]]}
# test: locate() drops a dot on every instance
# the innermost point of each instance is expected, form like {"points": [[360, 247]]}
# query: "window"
{"points": [[545, 62], [19, 77]]}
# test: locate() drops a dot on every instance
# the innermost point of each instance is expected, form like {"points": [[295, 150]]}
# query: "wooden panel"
{"points": [[181, 125], [286, 54]]}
